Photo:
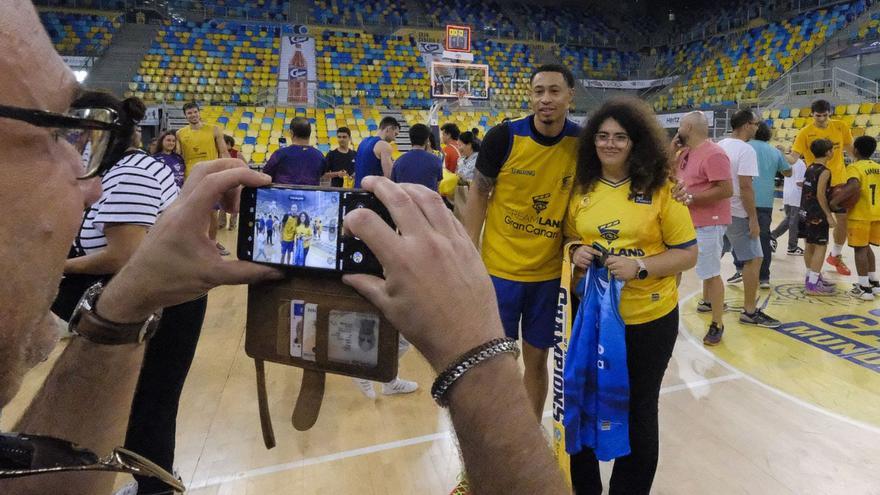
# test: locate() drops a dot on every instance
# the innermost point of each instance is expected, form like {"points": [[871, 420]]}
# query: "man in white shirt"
{"points": [[743, 232], [791, 198]]}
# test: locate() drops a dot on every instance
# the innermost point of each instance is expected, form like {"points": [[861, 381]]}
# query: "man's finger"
{"points": [[204, 169], [433, 208], [244, 272], [408, 218], [369, 227], [215, 185], [369, 286]]}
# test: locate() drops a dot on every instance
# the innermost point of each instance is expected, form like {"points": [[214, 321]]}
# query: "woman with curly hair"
{"points": [[623, 203]]}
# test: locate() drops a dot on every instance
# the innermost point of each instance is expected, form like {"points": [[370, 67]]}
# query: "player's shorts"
{"points": [[532, 303], [710, 243], [744, 246], [816, 231], [286, 247], [860, 233]]}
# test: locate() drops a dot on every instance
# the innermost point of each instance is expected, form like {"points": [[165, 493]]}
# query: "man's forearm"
{"points": [[514, 458], [85, 399], [475, 213], [716, 192], [747, 194], [100, 263]]}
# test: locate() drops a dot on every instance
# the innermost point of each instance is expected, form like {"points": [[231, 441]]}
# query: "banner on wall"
{"points": [[638, 84], [298, 74], [672, 120]]}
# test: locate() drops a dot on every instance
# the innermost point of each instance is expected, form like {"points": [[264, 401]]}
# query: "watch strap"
{"points": [[643, 270], [102, 331]]}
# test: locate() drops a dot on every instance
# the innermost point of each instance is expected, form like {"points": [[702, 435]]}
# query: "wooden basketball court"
{"points": [[789, 411]]}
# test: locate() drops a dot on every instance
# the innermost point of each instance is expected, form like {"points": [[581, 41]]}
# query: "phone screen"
{"points": [[302, 227]]}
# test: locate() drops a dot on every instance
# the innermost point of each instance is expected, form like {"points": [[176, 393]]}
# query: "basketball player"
{"points": [[863, 229], [521, 187], [836, 131], [374, 153], [201, 142]]}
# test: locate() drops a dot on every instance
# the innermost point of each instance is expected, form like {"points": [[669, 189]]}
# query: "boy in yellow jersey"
{"points": [[836, 131], [863, 229], [521, 187], [201, 142]]}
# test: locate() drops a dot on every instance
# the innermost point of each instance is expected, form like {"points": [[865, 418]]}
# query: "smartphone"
{"points": [[300, 227]]}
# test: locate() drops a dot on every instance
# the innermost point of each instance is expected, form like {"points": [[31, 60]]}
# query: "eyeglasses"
{"points": [[89, 130], [619, 139], [22, 454]]}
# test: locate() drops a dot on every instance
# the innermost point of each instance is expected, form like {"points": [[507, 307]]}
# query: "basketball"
{"points": [[844, 197]]}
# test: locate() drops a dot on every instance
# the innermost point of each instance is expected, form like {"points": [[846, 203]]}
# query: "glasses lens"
{"points": [[90, 143]]}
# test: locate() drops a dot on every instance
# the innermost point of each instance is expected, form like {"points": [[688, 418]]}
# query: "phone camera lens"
{"points": [[357, 257]]}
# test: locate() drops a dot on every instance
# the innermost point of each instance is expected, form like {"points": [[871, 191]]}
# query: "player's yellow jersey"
{"points": [[304, 232], [522, 239], [197, 145], [289, 231], [838, 133], [868, 174], [636, 228]]}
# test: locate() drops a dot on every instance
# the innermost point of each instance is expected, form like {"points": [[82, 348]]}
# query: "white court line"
{"points": [[277, 468], [797, 400]]}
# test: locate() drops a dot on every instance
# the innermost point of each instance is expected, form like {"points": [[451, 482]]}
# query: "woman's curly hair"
{"points": [[649, 163]]}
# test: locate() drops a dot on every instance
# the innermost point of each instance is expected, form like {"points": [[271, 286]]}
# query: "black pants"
{"points": [[152, 423], [648, 349]]}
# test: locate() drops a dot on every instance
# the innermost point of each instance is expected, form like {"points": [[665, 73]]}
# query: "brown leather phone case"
{"points": [[335, 312]]}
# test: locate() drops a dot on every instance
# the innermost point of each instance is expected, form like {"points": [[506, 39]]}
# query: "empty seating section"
{"points": [[576, 24], [80, 33], [256, 129], [366, 69], [213, 62], [243, 9], [599, 63], [863, 119], [465, 119], [748, 61], [345, 12], [871, 29], [510, 66], [482, 16]]}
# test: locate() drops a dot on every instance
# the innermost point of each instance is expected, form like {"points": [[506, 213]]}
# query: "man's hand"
{"points": [[177, 261], [754, 228], [436, 290], [681, 194], [677, 144]]}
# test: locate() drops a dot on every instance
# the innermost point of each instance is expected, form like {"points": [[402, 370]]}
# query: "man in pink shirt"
{"points": [[704, 169]]}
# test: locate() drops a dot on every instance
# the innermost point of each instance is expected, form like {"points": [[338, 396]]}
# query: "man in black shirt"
{"points": [[340, 162]]}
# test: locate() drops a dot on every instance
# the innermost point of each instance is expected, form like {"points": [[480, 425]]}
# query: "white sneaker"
{"points": [[131, 488], [399, 386], [366, 387]]}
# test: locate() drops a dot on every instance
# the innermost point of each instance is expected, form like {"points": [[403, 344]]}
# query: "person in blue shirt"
{"points": [[770, 162], [374, 153], [418, 166]]}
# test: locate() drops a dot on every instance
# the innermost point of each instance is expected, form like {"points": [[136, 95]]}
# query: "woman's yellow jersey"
{"points": [[638, 228], [522, 239], [304, 232], [197, 145]]}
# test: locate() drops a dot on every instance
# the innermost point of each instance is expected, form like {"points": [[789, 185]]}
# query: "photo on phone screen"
{"points": [[301, 227]]}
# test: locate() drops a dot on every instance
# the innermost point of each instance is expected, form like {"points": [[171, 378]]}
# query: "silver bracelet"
{"points": [[468, 361]]}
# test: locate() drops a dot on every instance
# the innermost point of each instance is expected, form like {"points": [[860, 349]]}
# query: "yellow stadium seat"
{"points": [[852, 109], [795, 112], [848, 119], [840, 110], [866, 108], [862, 119], [858, 131]]}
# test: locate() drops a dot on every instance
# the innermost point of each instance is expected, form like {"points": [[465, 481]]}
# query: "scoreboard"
{"points": [[458, 38]]}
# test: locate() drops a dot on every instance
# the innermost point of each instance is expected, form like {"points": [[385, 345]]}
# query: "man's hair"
{"points": [[230, 141], [388, 122], [763, 133], [820, 106], [741, 118], [476, 132], [470, 138], [566, 73], [189, 105], [821, 147], [451, 129], [300, 127], [418, 134], [865, 146], [343, 130]]}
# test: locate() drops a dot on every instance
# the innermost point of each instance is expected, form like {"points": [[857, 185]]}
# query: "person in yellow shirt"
{"points": [[200, 142], [623, 203], [836, 131], [303, 239], [289, 225], [863, 228], [520, 190]]}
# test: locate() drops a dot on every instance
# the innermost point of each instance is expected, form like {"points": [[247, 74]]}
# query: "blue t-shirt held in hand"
{"points": [[418, 167], [296, 165]]}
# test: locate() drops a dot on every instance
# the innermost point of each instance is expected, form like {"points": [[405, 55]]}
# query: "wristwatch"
{"points": [[643, 270], [87, 323]]}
